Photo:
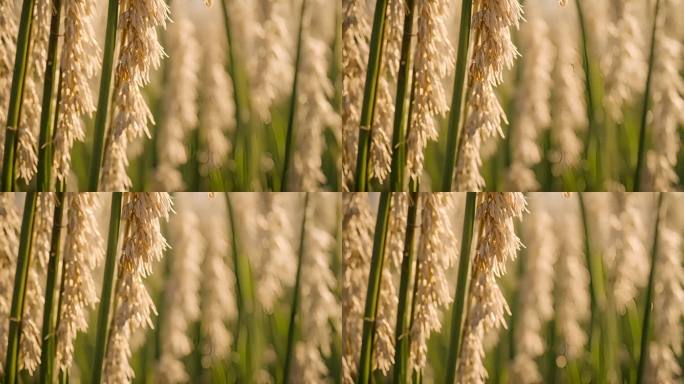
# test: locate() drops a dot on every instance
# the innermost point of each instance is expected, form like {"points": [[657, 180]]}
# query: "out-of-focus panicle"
{"points": [[627, 253], [572, 284], [278, 259], [535, 303], [357, 242], [217, 112], [32, 321], [492, 52], [315, 111], [139, 53], [272, 59], [667, 103], [8, 46], [318, 301], [625, 62], [180, 101], [497, 244], [9, 246], [383, 115], [568, 105], [218, 291], [79, 65], [436, 252], [83, 253], [386, 317], [27, 140], [531, 100], [433, 60], [355, 34], [181, 294], [142, 245], [668, 307]]}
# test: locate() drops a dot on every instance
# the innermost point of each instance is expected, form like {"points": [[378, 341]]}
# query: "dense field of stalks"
{"points": [[513, 288], [169, 95], [151, 288], [510, 95]]}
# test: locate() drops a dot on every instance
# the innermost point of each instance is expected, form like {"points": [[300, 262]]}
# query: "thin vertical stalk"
{"points": [[369, 95], [243, 283], [646, 325], [47, 355], [457, 98], [103, 100], [47, 112], [647, 95], [108, 281], [457, 319], [293, 102], [292, 328], [16, 94], [402, 341], [398, 166], [19, 293], [374, 280]]}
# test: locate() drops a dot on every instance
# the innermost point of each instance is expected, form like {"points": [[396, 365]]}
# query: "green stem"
{"points": [[457, 98], [292, 328], [374, 280], [47, 356], [108, 281], [369, 95], [647, 95], [398, 165], [401, 352], [293, 102], [457, 319], [47, 111], [646, 325], [19, 293], [104, 96], [16, 94]]}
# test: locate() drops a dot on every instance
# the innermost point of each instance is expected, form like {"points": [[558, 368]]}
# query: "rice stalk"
{"points": [[457, 312], [21, 63], [51, 309], [48, 109], [104, 98], [108, 284], [19, 294]]}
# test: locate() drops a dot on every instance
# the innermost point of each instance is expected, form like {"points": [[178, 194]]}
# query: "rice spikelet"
{"points": [[10, 223], [139, 53], [357, 242], [79, 64], [497, 245], [492, 52], [83, 253], [8, 46], [436, 253], [142, 245]]}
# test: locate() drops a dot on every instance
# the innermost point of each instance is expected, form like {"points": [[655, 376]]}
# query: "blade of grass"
{"points": [[16, 94], [644, 111], [47, 111], [457, 312], [457, 97], [106, 299], [103, 100], [49, 338], [374, 280], [646, 324], [401, 352], [292, 327], [369, 94], [293, 102], [397, 174], [19, 292]]}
